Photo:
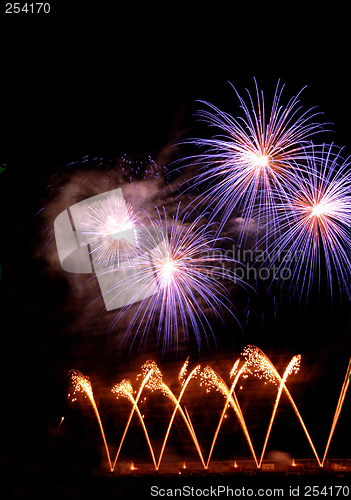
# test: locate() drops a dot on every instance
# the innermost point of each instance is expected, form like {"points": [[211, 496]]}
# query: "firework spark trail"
{"points": [[59, 425], [183, 370], [125, 389], [193, 373], [253, 155], [311, 228], [191, 427], [263, 367], [230, 397], [187, 271], [292, 367], [210, 378], [155, 383], [344, 388], [83, 384], [63, 416]]}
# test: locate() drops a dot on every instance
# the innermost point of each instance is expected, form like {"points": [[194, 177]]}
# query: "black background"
{"points": [[95, 79]]}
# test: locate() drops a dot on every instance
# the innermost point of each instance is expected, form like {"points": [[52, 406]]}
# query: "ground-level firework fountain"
{"points": [[254, 363]]}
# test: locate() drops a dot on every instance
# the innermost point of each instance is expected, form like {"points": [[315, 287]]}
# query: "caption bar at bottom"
{"points": [[227, 491]]}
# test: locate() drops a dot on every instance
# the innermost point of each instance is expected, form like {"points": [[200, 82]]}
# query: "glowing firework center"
{"points": [[100, 235]]}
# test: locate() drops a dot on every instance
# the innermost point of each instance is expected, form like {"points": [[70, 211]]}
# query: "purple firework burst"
{"points": [[311, 237], [247, 165], [180, 260]]}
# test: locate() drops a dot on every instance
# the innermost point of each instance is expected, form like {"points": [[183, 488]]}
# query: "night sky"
{"points": [[103, 82]]}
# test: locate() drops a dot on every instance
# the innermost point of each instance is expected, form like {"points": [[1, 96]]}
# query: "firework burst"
{"points": [[180, 261], [310, 236], [252, 159], [109, 227]]}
